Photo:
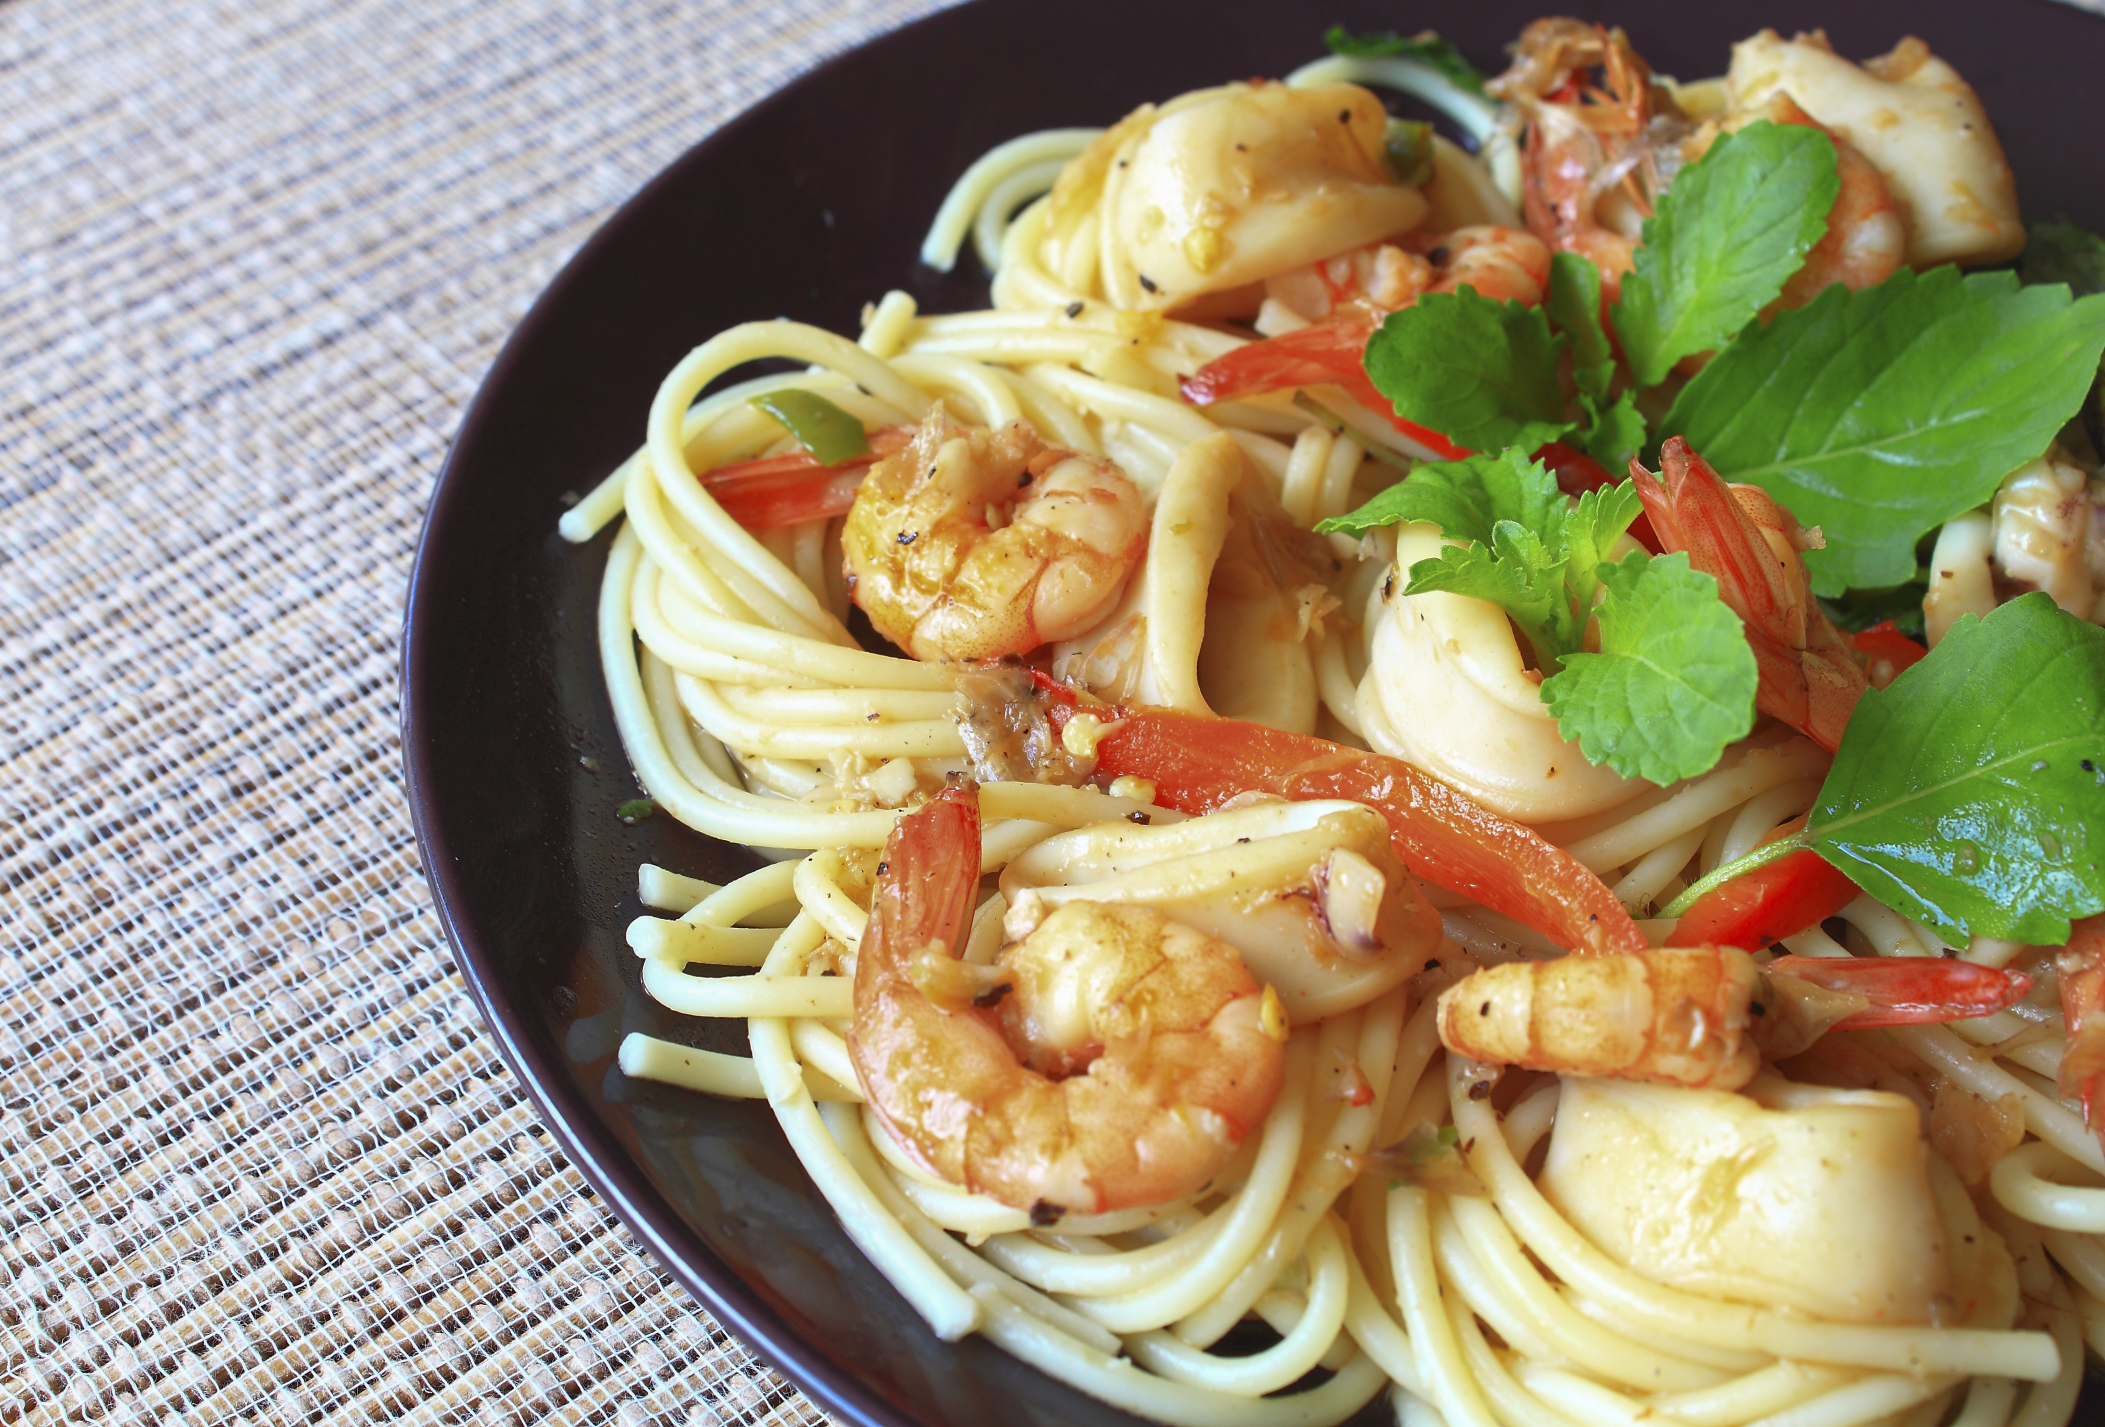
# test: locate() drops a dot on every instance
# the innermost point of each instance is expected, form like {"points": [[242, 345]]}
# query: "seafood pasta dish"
{"points": [[1470, 770]]}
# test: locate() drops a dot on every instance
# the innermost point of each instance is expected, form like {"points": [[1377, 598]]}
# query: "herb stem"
{"points": [[1762, 856]]}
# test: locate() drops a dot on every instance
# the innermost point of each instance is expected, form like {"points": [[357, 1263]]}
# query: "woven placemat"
{"points": [[259, 1161]]}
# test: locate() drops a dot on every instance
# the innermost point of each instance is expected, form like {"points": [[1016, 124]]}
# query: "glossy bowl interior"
{"points": [[808, 206]]}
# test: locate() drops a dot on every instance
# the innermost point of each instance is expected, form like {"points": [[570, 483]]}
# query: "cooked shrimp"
{"points": [[972, 544], [1865, 243], [1597, 154], [1809, 676], [1111, 1059], [2081, 968], [1917, 123], [1698, 1016], [1343, 300], [1504, 264]]}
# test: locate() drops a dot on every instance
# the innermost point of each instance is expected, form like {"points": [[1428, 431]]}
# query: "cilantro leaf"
{"points": [[1482, 372], [1877, 415], [1590, 532], [1465, 498], [1520, 574], [1543, 575], [1674, 681], [1611, 434], [1425, 47], [1723, 241], [1970, 794], [2062, 252]]}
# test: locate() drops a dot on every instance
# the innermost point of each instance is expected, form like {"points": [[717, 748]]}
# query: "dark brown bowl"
{"points": [[807, 206]]}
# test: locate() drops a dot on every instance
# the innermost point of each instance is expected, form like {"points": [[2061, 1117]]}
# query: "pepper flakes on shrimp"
{"points": [[972, 544]]}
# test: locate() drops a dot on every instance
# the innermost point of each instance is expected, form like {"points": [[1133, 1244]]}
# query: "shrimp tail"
{"points": [[1809, 677], [1909, 990]]}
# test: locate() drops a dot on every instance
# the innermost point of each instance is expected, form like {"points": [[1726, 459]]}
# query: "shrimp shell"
{"points": [[1670, 1015]]}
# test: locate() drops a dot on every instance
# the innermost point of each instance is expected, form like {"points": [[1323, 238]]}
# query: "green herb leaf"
{"points": [[1722, 243], [1543, 576], [2062, 252], [1970, 794], [1877, 415], [1408, 152], [1674, 681], [1611, 435], [1464, 498], [1483, 373], [635, 810], [830, 434], [1574, 304], [1425, 47]]}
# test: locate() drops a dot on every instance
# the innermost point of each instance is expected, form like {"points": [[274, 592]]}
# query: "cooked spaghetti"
{"points": [[1345, 954]]}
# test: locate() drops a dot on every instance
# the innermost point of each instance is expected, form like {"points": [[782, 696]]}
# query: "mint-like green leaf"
{"points": [[1519, 574], [1574, 304], [1541, 564], [1425, 47], [1464, 498], [1878, 415], [1722, 243], [1611, 434], [1482, 373], [1674, 681], [1590, 532], [1970, 794]]}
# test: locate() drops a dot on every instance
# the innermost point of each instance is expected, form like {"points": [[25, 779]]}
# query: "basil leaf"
{"points": [[1880, 414], [1970, 794], [1574, 304], [1723, 241], [1425, 47], [1479, 371], [1674, 681], [830, 434]]}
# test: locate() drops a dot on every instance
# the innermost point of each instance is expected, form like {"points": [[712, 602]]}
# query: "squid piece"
{"points": [[1309, 893], [1222, 188], [1921, 126]]}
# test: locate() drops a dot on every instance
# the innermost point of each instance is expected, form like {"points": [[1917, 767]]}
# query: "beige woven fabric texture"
{"points": [[259, 1160]]}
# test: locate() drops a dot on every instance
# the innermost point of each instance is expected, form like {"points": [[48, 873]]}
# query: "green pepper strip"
{"points": [[830, 434]]}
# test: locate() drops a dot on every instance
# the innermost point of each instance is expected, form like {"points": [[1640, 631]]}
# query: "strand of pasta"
{"points": [[970, 194]]}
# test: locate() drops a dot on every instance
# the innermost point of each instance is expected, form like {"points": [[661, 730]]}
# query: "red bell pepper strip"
{"points": [[1325, 353], [1887, 652], [795, 487], [1773, 901], [1198, 763]]}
